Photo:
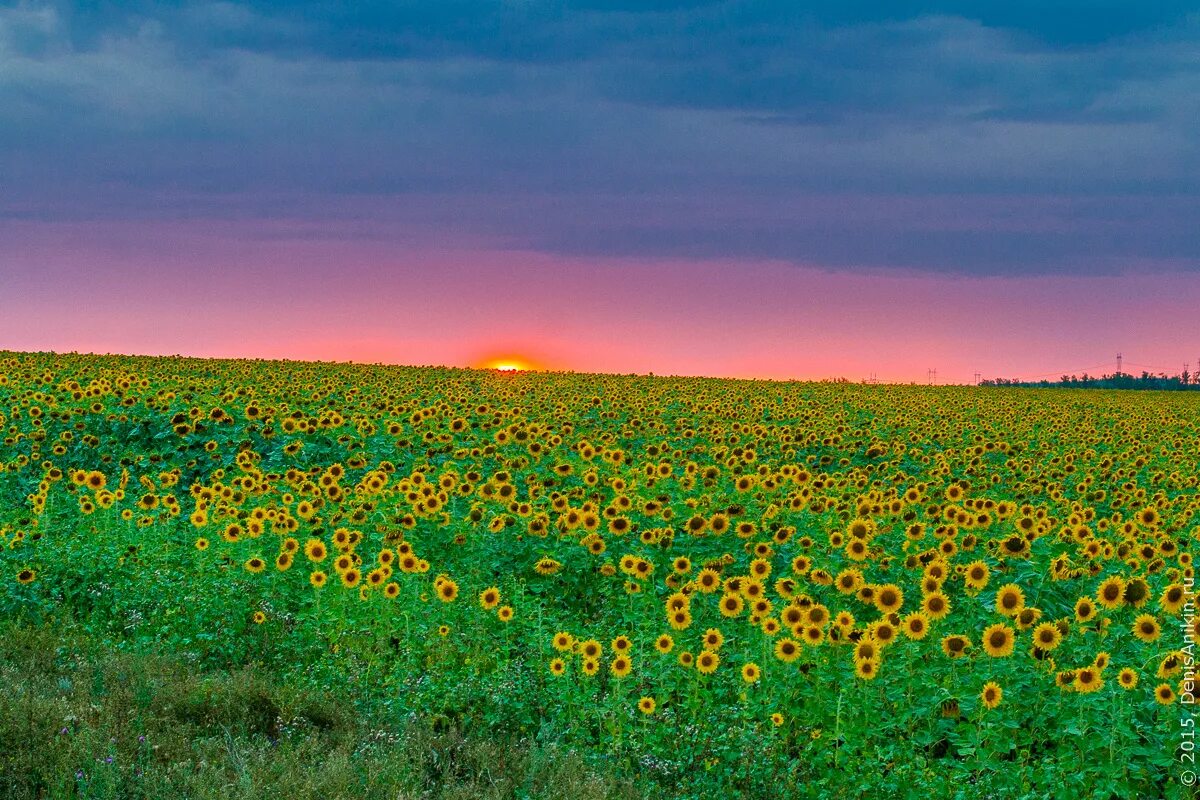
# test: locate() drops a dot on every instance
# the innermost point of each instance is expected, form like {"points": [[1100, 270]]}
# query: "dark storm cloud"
{"points": [[700, 129]]}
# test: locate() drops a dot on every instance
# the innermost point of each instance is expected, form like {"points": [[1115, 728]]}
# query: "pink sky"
{"points": [[207, 289]]}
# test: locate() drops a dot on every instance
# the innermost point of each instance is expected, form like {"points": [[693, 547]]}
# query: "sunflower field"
{"points": [[712, 587]]}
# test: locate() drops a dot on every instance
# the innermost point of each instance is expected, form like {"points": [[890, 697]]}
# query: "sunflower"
{"points": [[751, 673], [664, 644], [889, 598], [955, 645], [26, 576], [1137, 592], [1146, 628], [202, 544], [563, 642], [976, 575], [706, 662], [1088, 680], [991, 695], [1084, 609], [685, 659], [547, 566], [915, 625], [255, 565], [258, 618], [590, 649], [681, 619], [447, 591], [1009, 600], [708, 580], [351, 577], [867, 669], [792, 616], [504, 613], [882, 631], [489, 598], [998, 640], [787, 650], [677, 601], [317, 579], [646, 705], [1163, 694], [731, 605], [857, 550], [848, 581], [1128, 678], [1046, 636], [1173, 598], [557, 667], [391, 590], [936, 605], [865, 650], [1111, 592], [777, 719], [818, 615], [591, 667], [1027, 616]]}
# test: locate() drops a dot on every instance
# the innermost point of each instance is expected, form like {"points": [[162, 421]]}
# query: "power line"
{"points": [[1061, 372], [1083, 370]]}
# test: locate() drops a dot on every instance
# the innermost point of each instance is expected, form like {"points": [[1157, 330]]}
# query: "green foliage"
{"points": [[134, 494], [80, 720]]}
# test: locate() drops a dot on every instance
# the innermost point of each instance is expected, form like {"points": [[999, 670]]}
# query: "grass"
{"points": [[81, 719]]}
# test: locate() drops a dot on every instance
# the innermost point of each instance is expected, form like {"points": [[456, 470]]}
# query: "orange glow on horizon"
{"points": [[509, 364]]}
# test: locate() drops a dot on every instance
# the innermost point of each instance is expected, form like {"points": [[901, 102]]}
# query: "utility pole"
{"points": [[1118, 363], [976, 378]]}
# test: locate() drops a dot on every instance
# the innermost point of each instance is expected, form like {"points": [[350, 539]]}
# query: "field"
{"points": [[392, 582]]}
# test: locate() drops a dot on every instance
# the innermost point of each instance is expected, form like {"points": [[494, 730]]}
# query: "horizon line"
{"points": [[535, 370]]}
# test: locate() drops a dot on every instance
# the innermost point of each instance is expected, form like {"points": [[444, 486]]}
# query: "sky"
{"points": [[748, 189]]}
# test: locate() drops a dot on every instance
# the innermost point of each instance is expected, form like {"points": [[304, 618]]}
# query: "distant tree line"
{"points": [[1183, 382]]}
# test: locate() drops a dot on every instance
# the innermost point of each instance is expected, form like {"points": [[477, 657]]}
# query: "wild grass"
{"points": [[79, 719]]}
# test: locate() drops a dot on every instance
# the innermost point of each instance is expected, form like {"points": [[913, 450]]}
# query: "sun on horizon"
{"points": [[509, 364]]}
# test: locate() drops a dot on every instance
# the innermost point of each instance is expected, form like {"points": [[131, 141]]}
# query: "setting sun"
{"points": [[508, 364]]}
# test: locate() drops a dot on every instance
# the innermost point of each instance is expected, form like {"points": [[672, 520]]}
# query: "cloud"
{"points": [[947, 134]]}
